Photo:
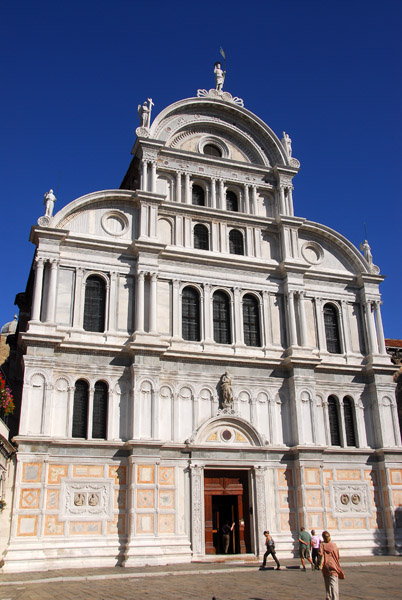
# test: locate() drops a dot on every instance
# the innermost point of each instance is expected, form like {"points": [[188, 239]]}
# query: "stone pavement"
{"points": [[368, 578]]}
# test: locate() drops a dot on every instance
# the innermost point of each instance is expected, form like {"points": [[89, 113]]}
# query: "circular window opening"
{"points": [[212, 150]]}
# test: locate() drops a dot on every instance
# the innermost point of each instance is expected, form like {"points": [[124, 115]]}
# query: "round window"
{"points": [[212, 150]]}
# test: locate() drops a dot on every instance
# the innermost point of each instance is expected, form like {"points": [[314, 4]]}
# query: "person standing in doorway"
{"points": [[270, 545], [331, 569], [304, 547], [315, 548], [225, 532]]}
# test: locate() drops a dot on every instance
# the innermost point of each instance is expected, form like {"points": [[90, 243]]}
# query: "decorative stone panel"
{"points": [[350, 498], [31, 472], [86, 500]]}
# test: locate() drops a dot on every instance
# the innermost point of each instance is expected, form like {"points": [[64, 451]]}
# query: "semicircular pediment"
{"points": [[226, 430]]}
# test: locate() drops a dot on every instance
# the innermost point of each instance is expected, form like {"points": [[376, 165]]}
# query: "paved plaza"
{"points": [[377, 578]]}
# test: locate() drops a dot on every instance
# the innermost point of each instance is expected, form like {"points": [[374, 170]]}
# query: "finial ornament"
{"points": [[48, 200], [365, 248], [144, 115]]}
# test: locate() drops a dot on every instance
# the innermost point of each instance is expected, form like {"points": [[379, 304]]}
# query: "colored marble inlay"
{"points": [[145, 498], [145, 474], [286, 499], [119, 474], [166, 523], [120, 499], [397, 497], [315, 521], [145, 523], [31, 472], [312, 476], [396, 476], [52, 499], [86, 528], [348, 475], [371, 477], [288, 521], [53, 526], [166, 499], [353, 524], [56, 473], [29, 499], [313, 498], [87, 471], [327, 475], [118, 525], [332, 523], [27, 526], [166, 475], [285, 477]]}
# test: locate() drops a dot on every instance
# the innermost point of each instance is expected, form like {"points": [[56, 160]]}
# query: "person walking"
{"points": [[315, 548], [331, 568], [304, 547], [225, 532], [270, 545]]}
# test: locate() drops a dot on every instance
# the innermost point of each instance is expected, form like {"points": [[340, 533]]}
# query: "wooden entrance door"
{"points": [[226, 499]]}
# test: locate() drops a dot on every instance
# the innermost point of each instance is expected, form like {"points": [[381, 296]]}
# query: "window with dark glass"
{"points": [[212, 150], [197, 195], [221, 312], [348, 413], [236, 245], [201, 237], [251, 321], [190, 311], [80, 409], [99, 415], [231, 201], [95, 304], [333, 416], [332, 329]]}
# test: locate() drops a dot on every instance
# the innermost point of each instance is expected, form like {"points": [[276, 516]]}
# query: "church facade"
{"points": [[194, 353]]}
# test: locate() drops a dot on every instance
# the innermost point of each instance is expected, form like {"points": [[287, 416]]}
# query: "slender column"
{"points": [[77, 319], [175, 308], [144, 175], [111, 412], [155, 414], [178, 186], [282, 200], [152, 303], [51, 300], [318, 318], [342, 423], [254, 209], [346, 329], [246, 207], [370, 329], [153, 221], [221, 202], [238, 321], [379, 327], [139, 316], [213, 193], [187, 196], [208, 312], [153, 176], [144, 220], [112, 301], [37, 292], [302, 315], [70, 408], [290, 200], [267, 329], [197, 509], [292, 320], [360, 425], [90, 412]]}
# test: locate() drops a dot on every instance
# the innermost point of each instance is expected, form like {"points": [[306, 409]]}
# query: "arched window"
{"points": [[201, 237], [212, 150], [251, 321], [332, 329], [221, 310], [348, 413], [190, 311], [333, 416], [99, 416], [231, 201], [95, 303], [80, 410], [197, 195], [236, 245]]}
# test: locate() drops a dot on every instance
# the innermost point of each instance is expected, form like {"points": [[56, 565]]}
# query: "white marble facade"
{"points": [[137, 494]]}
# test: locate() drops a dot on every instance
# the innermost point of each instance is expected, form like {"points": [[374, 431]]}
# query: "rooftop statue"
{"points": [[219, 76], [48, 200], [287, 144], [365, 248], [144, 113]]}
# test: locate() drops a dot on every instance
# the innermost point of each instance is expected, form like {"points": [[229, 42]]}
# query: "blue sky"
{"points": [[328, 73]]}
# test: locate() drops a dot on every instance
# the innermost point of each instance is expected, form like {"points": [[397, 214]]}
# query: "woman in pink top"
{"points": [[331, 569]]}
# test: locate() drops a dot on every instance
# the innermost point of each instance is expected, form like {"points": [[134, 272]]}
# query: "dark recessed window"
{"points": [[221, 311], [190, 310], [231, 201], [201, 237], [251, 321], [95, 304], [332, 329], [80, 409], [333, 416], [212, 150], [348, 412], [99, 417], [236, 245], [197, 195]]}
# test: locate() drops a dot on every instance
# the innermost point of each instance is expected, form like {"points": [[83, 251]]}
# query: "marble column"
{"points": [[221, 201], [153, 176], [373, 346], [37, 291], [302, 316], [144, 175], [379, 327], [254, 207], [208, 312], [346, 328], [238, 320], [187, 195], [178, 186], [112, 302], [292, 341], [51, 300], [213, 193], [282, 200], [90, 411], [318, 317], [139, 316], [77, 318], [246, 207], [175, 308], [152, 303]]}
